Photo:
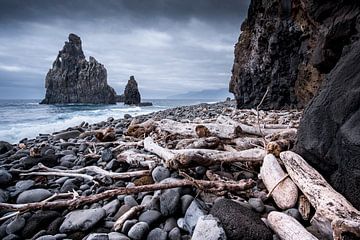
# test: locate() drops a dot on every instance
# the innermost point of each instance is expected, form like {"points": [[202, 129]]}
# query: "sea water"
{"points": [[27, 118]]}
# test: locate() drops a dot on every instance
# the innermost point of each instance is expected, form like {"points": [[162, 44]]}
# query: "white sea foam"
{"points": [[17, 131]]}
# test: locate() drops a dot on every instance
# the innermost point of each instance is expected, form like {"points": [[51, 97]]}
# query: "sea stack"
{"points": [[131, 92], [73, 79]]}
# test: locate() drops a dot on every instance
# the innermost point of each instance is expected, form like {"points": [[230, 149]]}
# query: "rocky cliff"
{"points": [[73, 79], [131, 92], [289, 46], [300, 49]]}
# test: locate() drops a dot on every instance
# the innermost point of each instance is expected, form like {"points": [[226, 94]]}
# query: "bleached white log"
{"points": [[285, 193], [253, 130], [334, 214], [189, 129], [287, 227], [194, 143], [206, 157], [247, 142], [138, 159]]}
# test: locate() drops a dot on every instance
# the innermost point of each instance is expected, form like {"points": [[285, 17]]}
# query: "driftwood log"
{"points": [[191, 157], [196, 143], [224, 131], [253, 130], [141, 130], [244, 143], [283, 190], [138, 159], [212, 186], [287, 227], [334, 214]]}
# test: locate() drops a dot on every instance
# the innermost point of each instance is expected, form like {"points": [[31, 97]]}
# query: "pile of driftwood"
{"points": [[240, 138]]}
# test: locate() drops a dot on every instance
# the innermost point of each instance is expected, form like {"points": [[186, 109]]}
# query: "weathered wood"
{"points": [[132, 212], [304, 207], [103, 135], [243, 143], [196, 143], [334, 214], [278, 146], [210, 186], [191, 157], [290, 133], [224, 131], [141, 130], [287, 227], [138, 159], [100, 171], [285, 193], [253, 130]]}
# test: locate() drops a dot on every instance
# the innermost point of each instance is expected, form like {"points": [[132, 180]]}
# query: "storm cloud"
{"points": [[171, 46]]}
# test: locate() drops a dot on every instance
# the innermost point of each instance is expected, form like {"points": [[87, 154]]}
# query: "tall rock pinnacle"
{"points": [[131, 93], [73, 79]]}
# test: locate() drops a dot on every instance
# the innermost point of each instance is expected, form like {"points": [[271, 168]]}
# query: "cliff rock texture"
{"points": [[289, 46], [73, 79], [301, 49], [329, 133], [131, 92]]}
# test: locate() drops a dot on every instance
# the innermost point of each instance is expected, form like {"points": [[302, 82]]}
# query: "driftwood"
{"points": [[191, 157], [287, 227], [304, 207], [103, 135], [282, 134], [278, 146], [203, 185], [334, 214], [141, 130], [196, 143], [132, 212], [224, 131], [138, 159], [101, 172], [253, 130], [282, 188], [247, 142]]}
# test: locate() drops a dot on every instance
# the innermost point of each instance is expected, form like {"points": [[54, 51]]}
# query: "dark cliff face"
{"points": [[308, 53], [131, 92], [73, 79], [289, 46]]}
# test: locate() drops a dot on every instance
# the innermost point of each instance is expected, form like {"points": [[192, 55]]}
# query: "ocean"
{"points": [[21, 119]]}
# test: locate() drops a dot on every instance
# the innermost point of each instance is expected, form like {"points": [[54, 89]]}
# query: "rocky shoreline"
{"points": [[40, 171]]}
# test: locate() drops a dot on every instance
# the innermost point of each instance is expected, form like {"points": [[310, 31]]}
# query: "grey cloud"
{"points": [[170, 46]]}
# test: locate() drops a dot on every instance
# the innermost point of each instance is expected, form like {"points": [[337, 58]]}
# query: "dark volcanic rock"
{"points": [[39, 221], [289, 46], [5, 147], [131, 92], [73, 79], [240, 222], [329, 133]]}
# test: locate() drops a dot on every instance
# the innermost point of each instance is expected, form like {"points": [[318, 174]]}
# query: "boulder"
{"points": [[240, 222], [131, 92], [73, 79], [82, 220], [33, 195], [5, 147], [329, 132], [38, 221]]}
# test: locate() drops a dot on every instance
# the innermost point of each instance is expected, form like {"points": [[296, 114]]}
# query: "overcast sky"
{"points": [[171, 46]]}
